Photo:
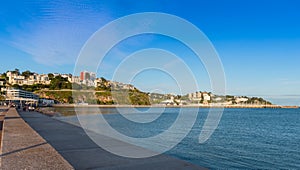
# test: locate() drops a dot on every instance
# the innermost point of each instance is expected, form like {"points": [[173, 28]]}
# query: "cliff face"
{"points": [[133, 97], [59, 96]]}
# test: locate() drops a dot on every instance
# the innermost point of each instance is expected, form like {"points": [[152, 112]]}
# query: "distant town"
{"points": [[55, 88]]}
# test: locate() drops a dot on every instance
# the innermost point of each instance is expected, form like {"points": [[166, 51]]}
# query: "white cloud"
{"points": [[56, 37]]}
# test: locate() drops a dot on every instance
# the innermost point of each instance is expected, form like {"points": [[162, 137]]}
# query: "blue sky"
{"points": [[257, 41]]}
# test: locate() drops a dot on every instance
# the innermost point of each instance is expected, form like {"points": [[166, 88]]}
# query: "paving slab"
{"points": [[81, 152], [23, 148]]}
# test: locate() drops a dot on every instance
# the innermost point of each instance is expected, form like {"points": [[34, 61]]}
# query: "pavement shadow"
{"points": [[19, 150]]}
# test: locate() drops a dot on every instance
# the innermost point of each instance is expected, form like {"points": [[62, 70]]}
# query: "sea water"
{"points": [[244, 138]]}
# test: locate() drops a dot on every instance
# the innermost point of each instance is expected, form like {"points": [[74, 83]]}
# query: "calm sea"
{"points": [[244, 139]]}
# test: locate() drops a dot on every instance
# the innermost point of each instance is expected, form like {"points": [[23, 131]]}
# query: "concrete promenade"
{"points": [[23, 148], [72, 143], [3, 111]]}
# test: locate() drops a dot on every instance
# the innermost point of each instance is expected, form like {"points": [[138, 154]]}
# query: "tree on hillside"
{"points": [[103, 79], [178, 97], [103, 85], [16, 86], [34, 87], [27, 73], [16, 71], [2, 97], [51, 76], [59, 82], [76, 86], [3, 75]]}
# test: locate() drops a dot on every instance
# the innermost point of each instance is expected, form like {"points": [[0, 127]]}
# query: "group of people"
{"points": [[28, 108], [23, 106]]}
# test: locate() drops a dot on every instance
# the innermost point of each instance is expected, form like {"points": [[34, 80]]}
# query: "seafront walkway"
{"points": [[23, 148], [36, 141]]}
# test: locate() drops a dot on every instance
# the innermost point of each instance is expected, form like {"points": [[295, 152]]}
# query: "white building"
{"points": [[241, 99], [47, 101], [218, 99], [44, 79], [21, 95], [10, 76], [65, 75], [97, 82], [92, 76], [14, 78], [2, 82], [206, 97], [55, 74], [195, 96], [74, 79]]}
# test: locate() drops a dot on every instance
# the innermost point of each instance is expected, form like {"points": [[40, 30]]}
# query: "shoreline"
{"points": [[176, 106]]}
